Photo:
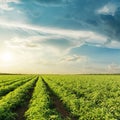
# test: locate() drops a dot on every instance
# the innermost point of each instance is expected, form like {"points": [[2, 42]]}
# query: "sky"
{"points": [[60, 36]]}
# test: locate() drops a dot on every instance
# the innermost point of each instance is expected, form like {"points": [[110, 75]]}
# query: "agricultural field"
{"points": [[59, 97]]}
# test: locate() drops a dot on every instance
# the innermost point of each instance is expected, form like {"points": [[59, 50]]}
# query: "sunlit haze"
{"points": [[7, 57]]}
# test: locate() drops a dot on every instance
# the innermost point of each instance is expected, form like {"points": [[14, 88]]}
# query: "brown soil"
{"points": [[20, 113], [57, 103], [21, 110]]}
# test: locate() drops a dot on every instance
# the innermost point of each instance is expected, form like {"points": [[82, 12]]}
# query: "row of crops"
{"points": [[85, 97], [15, 98], [41, 106], [93, 97]]}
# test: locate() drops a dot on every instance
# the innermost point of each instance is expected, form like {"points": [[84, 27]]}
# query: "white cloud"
{"points": [[54, 31], [55, 44], [4, 4], [73, 58], [113, 68], [113, 44], [109, 8], [30, 45], [79, 36]]}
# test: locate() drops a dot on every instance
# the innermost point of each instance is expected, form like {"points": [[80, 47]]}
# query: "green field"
{"points": [[59, 97]]}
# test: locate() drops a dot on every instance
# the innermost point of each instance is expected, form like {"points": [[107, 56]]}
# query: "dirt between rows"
{"points": [[65, 114], [57, 104], [20, 111]]}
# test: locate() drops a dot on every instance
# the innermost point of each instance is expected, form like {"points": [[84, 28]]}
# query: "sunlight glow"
{"points": [[7, 57]]}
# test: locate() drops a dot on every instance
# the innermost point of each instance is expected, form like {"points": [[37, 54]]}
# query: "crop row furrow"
{"points": [[6, 89], [14, 99], [99, 98], [13, 80], [41, 107]]}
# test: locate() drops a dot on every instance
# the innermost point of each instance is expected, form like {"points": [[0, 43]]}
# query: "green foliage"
{"points": [[40, 105], [5, 89], [13, 100], [88, 97]]}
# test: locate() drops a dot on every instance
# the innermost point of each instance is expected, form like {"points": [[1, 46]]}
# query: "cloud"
{"points": [[5, 4], [34, 44], [98, 31], [102, 18], [111, 26], [52, 30], [73, 58], [113, 44], [109, 22], [109, 8], [78, 36], [43, 34], [47, 51], [60, 43], [53, 44], [105, 23], [113, 68]]}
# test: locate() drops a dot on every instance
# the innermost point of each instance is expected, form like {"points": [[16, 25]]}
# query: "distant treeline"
{"points": [[9, 74]]}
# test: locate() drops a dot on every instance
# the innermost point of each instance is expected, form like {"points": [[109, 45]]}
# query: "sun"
{"points": [[7, 57]]}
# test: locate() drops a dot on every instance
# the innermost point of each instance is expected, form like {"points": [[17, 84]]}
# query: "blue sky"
{"points": [[60, 36]]}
